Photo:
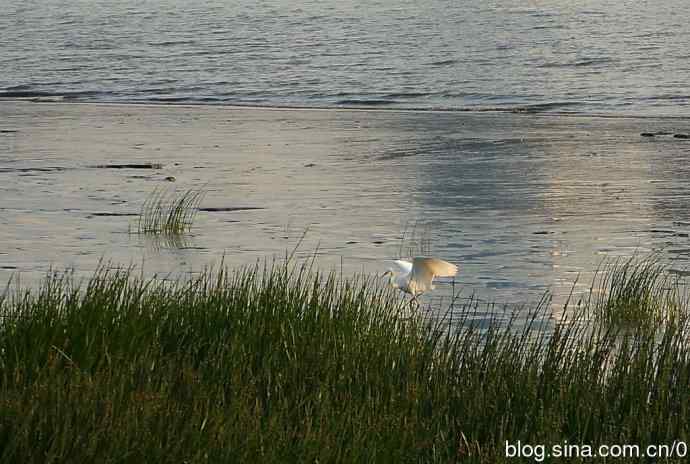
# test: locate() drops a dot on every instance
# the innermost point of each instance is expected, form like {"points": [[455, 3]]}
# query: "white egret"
{"points": [[417, 277]]}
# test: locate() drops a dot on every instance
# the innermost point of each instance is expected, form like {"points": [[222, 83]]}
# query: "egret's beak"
{"points": [[388, 272]]}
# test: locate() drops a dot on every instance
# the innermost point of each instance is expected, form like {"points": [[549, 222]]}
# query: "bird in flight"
{"points": [[417, 277]]}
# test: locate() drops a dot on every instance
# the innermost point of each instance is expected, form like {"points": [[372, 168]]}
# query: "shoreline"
{"points": [[518, 110]]}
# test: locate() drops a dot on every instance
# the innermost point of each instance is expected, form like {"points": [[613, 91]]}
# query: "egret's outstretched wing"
{"points": [[425, 269], [434, 266], [402, 266]]}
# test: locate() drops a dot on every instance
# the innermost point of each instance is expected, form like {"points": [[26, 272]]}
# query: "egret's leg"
{"points": [[414, 298]]}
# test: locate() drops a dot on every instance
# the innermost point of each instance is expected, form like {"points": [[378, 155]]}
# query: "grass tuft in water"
{"points": [[169, 212], [638, 292], [280, 364]]}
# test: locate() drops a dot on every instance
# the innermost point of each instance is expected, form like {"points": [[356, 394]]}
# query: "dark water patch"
{"points": [[653, 134], [228, 209], [210, 100], [186, 100], [39, 94], [592, 62], [395, 95], [666, 98], [443, 62], [8, 131], [365, 102], [30, 170], [395, 154], [111, 214], [543, 107], [68, 69], [169, 43], [578, 63], [680, 251], [546, 27], [129, 166], [167, 90], [527, 108], [18, 87], [26, 94], [168, 99], [681, 136], [8, 268], [543, 14]]}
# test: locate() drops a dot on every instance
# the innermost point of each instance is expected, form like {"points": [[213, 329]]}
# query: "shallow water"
{"points": [[586, 56], [523, 203]]}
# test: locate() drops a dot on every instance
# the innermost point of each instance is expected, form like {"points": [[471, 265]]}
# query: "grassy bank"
{"points": [[278, 365]]}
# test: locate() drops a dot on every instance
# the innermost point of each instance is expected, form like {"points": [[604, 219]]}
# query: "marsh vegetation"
{"points": [[282, 364], [169, 212]]}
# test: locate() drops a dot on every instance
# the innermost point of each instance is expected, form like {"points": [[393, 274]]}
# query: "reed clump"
{"points": [[279, 364], [634, 292], [169, 212]]}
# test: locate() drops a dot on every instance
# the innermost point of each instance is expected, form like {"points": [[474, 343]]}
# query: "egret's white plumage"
{"points": [[417, 277]]}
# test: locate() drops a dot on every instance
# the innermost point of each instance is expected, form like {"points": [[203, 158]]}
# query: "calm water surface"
{"points": [[523, 203], [624, 57]]}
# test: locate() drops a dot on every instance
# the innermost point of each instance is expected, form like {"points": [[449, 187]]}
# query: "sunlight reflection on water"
{"points": [[522, 203]]}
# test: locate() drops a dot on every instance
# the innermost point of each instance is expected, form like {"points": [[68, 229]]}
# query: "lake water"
{"points": [[523, 203], [625, 57], [533, 173]]}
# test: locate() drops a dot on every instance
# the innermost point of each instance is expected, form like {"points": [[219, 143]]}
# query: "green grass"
{"points": [[169, 212], [278, 364], [638, 292]]}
